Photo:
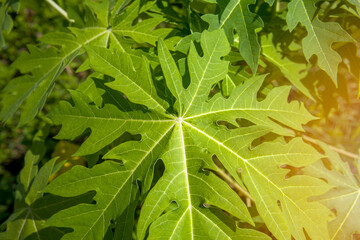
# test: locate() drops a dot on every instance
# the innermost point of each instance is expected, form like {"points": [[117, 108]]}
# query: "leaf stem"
{"points": [[336, 149], [60, 10], [236, 186]]}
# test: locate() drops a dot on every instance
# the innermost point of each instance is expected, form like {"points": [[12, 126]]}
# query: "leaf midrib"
{"points": [[242, 109], [186, 177], [347, 215], [202, 77], [116, 119]]}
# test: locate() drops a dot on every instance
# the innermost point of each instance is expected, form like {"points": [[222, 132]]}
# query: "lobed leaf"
{"points": [[188, 200], [320, 37], [45, 65]]}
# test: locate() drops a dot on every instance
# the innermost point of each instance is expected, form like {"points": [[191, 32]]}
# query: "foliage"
{"points": [[184, 121]]}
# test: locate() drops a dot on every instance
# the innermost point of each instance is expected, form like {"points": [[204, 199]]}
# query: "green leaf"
{"points": [[320, 37], [205, 71], [30, 170], [154, 134], [171, 74], [144, 31], [235, 15], [76, 120], [344, 197], [45, 65], [185, 163], [189, 200]]}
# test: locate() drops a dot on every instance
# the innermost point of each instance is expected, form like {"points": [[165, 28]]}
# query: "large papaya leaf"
{"points": [[189, 200], [343, 198], [235, 15], [320, 37]]}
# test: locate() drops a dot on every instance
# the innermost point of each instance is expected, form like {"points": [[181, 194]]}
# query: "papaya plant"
{"points": [[191, 121]]}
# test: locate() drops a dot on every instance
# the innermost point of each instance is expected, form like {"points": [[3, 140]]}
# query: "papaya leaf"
{"points": [[188, 201], [45, 65]]}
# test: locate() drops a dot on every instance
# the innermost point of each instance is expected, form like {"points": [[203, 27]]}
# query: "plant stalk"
{"points": [[338, 150], [221, 173], [60, 10]]}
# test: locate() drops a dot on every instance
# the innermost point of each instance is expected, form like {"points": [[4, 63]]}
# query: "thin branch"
{"points": [[60, 10], [338, 150], [229, 180]]}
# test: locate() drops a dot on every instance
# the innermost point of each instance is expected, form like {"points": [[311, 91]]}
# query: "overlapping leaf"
{"points": [[356, 4], [45, 65], [235, 15], [293, 71], [31, 208], [320, 37], [188, 200]]}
